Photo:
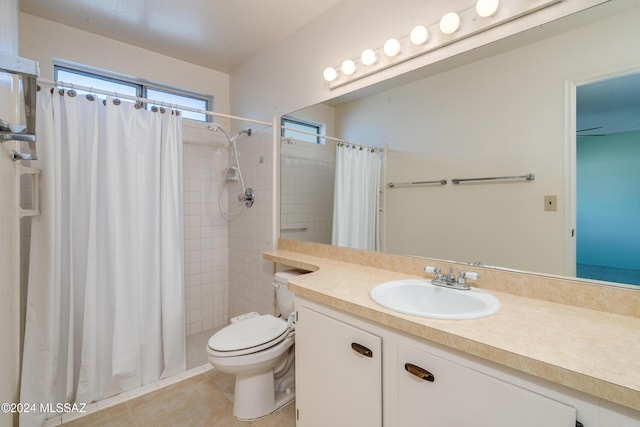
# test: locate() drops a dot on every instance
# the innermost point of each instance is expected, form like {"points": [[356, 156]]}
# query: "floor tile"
{"points": [[283, 417], [202, 400], [117, 415]]}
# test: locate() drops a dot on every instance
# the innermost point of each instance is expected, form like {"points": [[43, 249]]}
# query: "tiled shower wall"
{"points": [[250, 234], [306, 190], [205, 230]]}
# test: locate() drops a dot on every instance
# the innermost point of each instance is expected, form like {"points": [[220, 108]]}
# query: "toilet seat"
{"points": [[248, 336]]}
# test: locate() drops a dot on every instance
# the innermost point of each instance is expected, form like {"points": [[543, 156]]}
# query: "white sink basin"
{"points": [[421, 298]]}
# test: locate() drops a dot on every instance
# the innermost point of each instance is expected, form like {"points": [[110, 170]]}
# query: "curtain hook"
{"points": [[71, 91]]}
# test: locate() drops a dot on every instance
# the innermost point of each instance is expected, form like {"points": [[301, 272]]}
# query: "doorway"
{"points": [[607, 175]]}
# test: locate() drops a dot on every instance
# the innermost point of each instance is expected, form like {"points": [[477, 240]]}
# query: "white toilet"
{"points": [[259, 351]]}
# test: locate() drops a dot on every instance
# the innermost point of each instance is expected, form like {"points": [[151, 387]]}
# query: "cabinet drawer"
{"points": [[455, 395]]}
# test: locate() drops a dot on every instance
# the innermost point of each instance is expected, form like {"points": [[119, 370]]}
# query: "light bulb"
{"points": [[330, 74], [368, 57], [348, 67], [487, 8], [419, 35], [450, 23], [391, 47]]}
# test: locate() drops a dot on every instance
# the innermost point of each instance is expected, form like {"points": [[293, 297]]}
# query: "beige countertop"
{"points": [[585, 349]]}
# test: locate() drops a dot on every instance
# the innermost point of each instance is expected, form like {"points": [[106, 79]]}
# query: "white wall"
{"points": [[514, 102], [44, 40]]}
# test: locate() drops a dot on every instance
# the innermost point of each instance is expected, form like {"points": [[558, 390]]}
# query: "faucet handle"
{"points": [[472, 275], [464, 275], [435, 270]]}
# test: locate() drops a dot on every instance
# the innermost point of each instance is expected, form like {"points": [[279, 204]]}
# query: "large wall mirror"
{"points": [[554, 108]]}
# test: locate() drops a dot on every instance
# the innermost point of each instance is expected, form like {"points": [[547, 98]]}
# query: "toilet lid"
{"points": [[248, 333]]}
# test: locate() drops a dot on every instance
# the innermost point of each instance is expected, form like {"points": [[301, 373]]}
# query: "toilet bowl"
{"points": [[259, 351]]}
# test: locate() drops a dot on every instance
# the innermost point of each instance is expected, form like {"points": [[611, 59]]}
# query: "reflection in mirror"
{"points": [[307, 169], [509, 114], [330, 190], [607, 174], [306, 190]]}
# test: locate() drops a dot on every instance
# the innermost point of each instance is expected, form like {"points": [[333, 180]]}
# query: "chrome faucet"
{"points": [[449, 280]]}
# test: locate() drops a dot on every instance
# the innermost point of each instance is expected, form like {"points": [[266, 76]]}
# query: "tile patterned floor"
{"points": [[196, 348], [203, 400]]}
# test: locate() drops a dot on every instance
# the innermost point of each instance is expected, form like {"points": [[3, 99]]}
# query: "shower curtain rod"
{"points": [[147, 100], [344, 141]]}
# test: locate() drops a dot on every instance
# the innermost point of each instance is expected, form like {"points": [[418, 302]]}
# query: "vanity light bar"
{"points": [[486, 14]]}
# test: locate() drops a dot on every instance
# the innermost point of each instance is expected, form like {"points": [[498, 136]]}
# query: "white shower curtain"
{"points": [[356, 198], [105, 294]]}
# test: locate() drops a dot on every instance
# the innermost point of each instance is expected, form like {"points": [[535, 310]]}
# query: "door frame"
{"points": [[570, 206]]}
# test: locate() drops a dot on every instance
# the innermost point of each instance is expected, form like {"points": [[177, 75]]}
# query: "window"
{"points": [[296, 124], [135, 87]]}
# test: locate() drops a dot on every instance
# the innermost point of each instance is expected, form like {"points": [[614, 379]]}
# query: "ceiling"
{"points": [[217, 34]]}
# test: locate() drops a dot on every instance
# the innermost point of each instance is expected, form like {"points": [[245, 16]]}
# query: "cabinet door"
{"points": [[338, 373], [458, 396]]}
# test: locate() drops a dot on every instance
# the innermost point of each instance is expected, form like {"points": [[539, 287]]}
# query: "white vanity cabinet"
{"points": [[338, 373], [337, 386], [434, 391]]}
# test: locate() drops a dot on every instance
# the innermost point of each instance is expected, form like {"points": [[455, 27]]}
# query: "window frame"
{"points": [[319, 128], [139, 84]]}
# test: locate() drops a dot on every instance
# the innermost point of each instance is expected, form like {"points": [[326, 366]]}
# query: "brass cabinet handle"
{"points": [[419, 372], [359, 348]]}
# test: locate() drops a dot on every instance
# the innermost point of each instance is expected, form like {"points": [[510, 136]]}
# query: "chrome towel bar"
{"points": [[407, 184], [528, 177]]}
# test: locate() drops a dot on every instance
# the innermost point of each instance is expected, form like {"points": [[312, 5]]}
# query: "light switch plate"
{"points": [[551, 203]]}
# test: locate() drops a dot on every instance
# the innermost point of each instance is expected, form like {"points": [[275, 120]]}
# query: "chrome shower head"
{"points": [[214, 127], [237, 135]]}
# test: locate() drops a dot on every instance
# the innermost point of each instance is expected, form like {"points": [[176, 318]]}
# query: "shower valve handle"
{"points": [[248, 197]]}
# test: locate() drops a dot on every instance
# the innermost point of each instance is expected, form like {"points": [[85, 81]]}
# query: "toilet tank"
{"points": [[284, 296]]}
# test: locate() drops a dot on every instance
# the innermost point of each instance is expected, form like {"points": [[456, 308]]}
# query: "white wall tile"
{"points": [[206, 232], [250, 286]]}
